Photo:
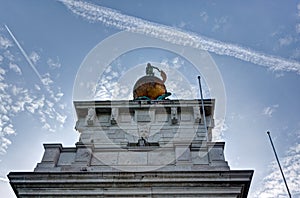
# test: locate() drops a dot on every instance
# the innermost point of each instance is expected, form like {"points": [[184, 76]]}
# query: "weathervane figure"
{"points": [[150, 87], [149, 69]]}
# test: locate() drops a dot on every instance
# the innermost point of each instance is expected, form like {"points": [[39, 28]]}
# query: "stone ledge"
{"points": [[153, 184]]}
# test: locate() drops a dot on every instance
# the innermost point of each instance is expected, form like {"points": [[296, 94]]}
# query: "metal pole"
{"points": [[202, 104], [268, 132]]}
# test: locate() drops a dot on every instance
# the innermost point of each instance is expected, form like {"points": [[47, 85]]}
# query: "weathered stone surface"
{"points": [[66, 158], [52, 152], [133, 158], [127, 184], [105, 158], [159, 157], [178, 158], [183, 153], [199, 157], [109, 145]]}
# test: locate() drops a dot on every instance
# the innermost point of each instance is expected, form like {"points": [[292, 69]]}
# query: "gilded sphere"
{"points": [[149, 86]]}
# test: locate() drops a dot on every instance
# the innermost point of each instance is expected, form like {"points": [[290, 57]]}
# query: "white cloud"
{"points": [[4, 42], [7, 54], [23, 52], [219, 129], [4, 142], [4, 118], [34, 57], [47, 127], [37, 87], [279, 74], [273, 186], [268, 111], [2, 71], [182, 24], [114, 18], [177, 62], [9, 130], [53, 64], [3, 109], [46, 79], [61, 118], [296, 54], [287, 40], [16, 90], [3, 86], [16, 99], [219, 23], [204, 16], [15, 68]]}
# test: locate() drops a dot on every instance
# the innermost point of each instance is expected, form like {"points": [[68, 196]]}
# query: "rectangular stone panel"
{"points": [[182, 153], [143, 118], [103, 118], [162, 157], [104, 158], [199, 157], [216, 153], [66, 158], [132, 158], [52, 152], [83, 155], [124, 117], [161, 118], [186, 117]]}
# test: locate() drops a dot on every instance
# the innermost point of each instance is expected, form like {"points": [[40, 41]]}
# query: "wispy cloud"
{"points": [[287, 40], [15, 68], [268, 111], [24, 53], [297, 27], [35, 57], [110, 17], [4, 42], [53, 63], [273, 185], [219, 129], [219, 23], [17, 97]]}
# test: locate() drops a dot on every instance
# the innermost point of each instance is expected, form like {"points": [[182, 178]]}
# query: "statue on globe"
{"points": [[150, 87]]}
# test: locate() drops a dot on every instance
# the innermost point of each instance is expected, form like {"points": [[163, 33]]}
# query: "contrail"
{"points": [[173, 35], [24, 54]]}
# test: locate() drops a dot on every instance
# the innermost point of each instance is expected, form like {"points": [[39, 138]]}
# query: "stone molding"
{"points": [[138, 184]]}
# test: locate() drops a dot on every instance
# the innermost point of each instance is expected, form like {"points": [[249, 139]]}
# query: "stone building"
{"points": [[138, 148]]}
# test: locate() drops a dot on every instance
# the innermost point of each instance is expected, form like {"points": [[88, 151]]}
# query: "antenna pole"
{"points": [[202, 104], [290, 196]]}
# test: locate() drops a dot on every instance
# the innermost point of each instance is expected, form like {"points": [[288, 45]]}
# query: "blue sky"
{"points": [[254, 45]]}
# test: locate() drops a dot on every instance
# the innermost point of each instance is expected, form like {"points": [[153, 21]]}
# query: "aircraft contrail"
{"points": [[24, 53], [173, 35]]}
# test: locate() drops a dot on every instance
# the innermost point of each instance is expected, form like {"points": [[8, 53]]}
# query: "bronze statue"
{"points": [[150, 87]]}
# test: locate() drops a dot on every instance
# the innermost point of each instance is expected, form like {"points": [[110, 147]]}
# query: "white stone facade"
{"points": [[106, 145], [138, 143]]}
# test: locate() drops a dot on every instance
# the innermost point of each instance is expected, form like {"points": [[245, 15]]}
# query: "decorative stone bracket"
{"points": [[197, 115], [114, 116], [174, 115], [91, 117]]}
